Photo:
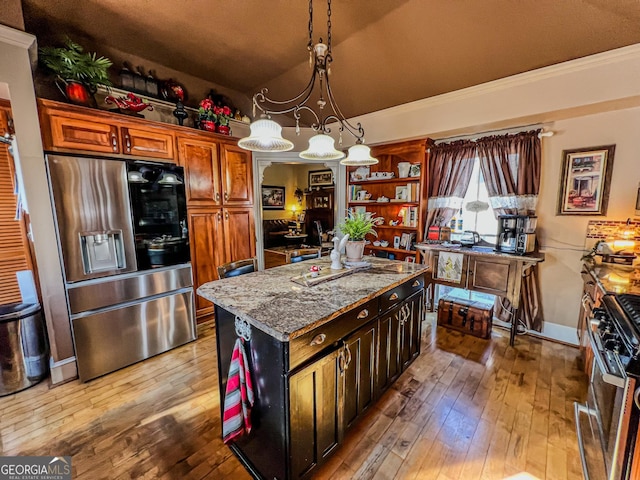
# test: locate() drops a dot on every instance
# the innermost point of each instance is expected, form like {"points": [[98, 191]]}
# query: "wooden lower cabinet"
{"points": [[217, 236], [309, 396], [389, 366], [315, 394], [205, 227]]}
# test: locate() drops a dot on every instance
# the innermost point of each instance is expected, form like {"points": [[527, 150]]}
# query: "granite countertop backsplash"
{"points": [[613, 278], [272, 302]]}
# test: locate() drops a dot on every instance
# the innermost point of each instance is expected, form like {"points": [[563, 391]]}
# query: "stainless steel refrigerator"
{"points": [[121, 228]]}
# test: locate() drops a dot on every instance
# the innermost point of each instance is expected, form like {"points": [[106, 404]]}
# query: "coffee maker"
{"points": [[516, 234]]}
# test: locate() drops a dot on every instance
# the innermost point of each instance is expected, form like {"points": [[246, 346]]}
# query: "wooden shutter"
{"points": [[14, 245]]}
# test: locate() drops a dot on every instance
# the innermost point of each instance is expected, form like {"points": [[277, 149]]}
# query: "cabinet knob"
{"points": [[226, 196], [318, 340], [226, 215], [348, 351], [219, 216], [217, 196], [127, 143], [114, 142], [416, 283], [394, 296], [363, 314]]}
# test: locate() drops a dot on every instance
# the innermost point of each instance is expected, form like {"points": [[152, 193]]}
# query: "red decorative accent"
{"points": [[208, 125], [130, 102], [78, 93], [223, 129]]}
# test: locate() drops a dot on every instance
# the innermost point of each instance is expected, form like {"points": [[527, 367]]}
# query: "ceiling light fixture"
{"points": [[266, 135]]}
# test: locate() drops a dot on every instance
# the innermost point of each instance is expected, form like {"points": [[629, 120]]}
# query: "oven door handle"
{"points": [[607, 376]]}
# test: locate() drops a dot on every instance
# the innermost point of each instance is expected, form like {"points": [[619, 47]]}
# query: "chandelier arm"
{"points": [[261, 98], [356, 130], [317, 124]]}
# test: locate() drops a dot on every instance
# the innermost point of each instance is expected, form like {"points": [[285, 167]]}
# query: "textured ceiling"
{"points": [[385, 52]]}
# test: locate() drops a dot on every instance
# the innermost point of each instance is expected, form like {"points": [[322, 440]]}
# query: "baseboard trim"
{"points": [[63, 371]]}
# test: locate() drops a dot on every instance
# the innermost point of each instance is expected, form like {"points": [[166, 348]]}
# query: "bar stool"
{"points": [[239, 267]]}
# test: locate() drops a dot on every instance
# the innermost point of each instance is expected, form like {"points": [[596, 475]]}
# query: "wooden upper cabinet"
{"points": [[69, 128], [147, 143], [62, 132], [200, 161], [237, 175]]}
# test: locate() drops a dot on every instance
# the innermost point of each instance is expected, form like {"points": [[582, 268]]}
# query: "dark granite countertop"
{"points": [[612, 278], [272, 302]]}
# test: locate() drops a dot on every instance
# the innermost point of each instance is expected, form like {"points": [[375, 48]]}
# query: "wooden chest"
{"points": [[465, 316]]}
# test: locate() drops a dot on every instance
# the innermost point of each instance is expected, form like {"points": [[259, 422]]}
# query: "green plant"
{"points": [[359, 224], [72, 63]]}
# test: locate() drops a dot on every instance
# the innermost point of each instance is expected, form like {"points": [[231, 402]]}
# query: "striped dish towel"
{"points": [[238, 398]]}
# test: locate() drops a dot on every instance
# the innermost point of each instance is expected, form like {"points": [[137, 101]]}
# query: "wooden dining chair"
{"points": [[239, 267], [302, 254]]}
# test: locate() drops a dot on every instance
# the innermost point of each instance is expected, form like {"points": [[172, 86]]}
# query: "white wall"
{"points": [[16, 49]]}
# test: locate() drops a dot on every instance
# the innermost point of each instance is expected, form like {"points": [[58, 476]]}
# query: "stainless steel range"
{"points": [[607, 425]]}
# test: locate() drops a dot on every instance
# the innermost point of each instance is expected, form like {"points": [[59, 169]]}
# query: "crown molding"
{"points": [[15, 37], [618, 55]]}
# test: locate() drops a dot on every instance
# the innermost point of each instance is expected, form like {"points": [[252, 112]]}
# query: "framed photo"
{"points": [[586, 179], [322, 201], [272, 197], [414, 170], [320, 178], [401, 192]]}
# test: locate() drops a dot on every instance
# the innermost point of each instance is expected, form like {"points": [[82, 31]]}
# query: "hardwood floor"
{"points": [[466, 409]]}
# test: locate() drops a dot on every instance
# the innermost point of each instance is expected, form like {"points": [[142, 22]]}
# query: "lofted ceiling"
{"points": [[386, 52]]}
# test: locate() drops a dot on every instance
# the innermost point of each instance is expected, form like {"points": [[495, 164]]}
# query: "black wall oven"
{"points": [[607, 424], [159, 212]]}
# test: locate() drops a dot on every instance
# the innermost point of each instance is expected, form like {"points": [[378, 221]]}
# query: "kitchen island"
{"points": [[320, 354]]}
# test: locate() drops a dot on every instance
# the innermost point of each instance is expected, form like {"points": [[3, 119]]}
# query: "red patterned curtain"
{"points": [[511, 169], [450, 167]]}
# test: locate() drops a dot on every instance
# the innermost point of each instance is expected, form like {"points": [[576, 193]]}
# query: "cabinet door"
{"points": [[491, 275], [237, 177], [81, 134], [239, 234], [200, 161], [411, 329], [147, 143], [360, 372], [314, 413], [204, 229], [389, 366]]}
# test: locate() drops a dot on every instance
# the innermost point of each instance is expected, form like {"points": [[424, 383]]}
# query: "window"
{"points": [[14, 247], [484, 222]]}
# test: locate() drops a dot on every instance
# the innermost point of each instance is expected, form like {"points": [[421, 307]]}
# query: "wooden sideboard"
{"points": [[482, 270]]}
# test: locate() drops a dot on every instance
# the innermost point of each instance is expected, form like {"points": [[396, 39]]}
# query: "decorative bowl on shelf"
{"points": [[384, 243], [129, 103]]}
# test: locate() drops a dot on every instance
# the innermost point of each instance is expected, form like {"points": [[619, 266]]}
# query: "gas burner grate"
{"points": [[631, 306]]}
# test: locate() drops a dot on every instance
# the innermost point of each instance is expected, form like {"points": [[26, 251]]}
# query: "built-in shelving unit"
{"points": [[400, 201]]}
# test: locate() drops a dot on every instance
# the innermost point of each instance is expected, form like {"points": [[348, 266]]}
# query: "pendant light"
{"points": [[266, 134]]}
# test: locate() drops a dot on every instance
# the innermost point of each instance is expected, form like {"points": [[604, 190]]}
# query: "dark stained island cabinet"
{"points": [[320, 355]]}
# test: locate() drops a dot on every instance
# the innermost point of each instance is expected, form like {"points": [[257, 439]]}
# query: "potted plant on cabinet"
{"points": [[207, 115], [78, 74], [223, 114], [357, 225]]}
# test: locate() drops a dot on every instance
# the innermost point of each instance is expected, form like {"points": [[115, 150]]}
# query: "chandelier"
{"points": [[266, 134]]}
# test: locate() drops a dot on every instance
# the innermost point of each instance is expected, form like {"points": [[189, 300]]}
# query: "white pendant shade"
{"points": [[266, 136], [359, 154], [321, 147]]}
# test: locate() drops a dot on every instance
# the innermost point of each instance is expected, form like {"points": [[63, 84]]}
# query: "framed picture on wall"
{"points": [[272, 197], [320, 178], [586, 179]]}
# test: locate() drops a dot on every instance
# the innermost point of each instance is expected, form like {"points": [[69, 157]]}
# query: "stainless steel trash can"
{"points": [[23, 347]]}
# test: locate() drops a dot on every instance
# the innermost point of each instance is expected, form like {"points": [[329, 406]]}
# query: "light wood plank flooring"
{"points": [[466, 409]]}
